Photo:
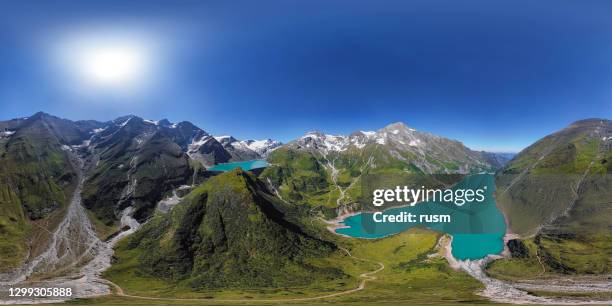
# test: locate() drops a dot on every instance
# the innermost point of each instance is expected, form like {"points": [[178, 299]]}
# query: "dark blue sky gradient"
{"points": [[493, 74]]}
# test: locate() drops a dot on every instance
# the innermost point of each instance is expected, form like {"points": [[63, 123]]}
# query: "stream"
{"points": [[517, 293], [74, 251]]}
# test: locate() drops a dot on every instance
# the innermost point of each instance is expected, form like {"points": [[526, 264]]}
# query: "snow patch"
{"points": [[204, 139], [368, 133], [195, 145], [335, 143], [262, 147], [313, 135], [326, 142], [6, 133], [222, 138], [125, 122]]}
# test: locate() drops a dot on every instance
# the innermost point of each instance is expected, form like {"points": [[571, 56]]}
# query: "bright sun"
{"points": [[117, 63], [112, 65]]}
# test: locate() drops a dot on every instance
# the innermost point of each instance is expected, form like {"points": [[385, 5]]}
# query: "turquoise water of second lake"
{"points": [[245, 165], [477, 228]]}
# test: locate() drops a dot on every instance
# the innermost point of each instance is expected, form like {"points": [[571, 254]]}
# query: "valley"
{"points": [[142, 211]]}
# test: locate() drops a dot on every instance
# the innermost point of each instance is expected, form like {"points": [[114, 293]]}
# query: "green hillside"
{"points": [[227, 233], [557, 194], [35, 178]]}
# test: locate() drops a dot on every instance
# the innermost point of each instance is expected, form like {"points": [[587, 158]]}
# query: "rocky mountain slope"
{"points": [[36, 180], [429, 153], [130, 163], [248, 149], [497, 160], [557, 193], [136, 162], [236, 230], [325, 170]]}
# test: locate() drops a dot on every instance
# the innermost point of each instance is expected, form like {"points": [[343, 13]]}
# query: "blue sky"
{"points": [[497, 75]]}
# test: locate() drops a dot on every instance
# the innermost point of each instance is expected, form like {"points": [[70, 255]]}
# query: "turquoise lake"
{"points": [[245, 165], [477, 228]]}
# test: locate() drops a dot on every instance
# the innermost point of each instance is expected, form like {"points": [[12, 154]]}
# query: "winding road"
{"points": [[366, 277]]}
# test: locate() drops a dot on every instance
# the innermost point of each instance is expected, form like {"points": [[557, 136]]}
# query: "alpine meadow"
{"points": [[307, 152]]}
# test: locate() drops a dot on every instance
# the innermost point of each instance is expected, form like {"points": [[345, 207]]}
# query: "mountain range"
{"points": [[130, 162], [325, 171], [255, 230]]}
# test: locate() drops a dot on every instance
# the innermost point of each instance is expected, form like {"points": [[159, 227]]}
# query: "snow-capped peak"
{"points": [[314, 135], [368, 133], [395, 133], [325, 142], [262, 147], [257, 148]]}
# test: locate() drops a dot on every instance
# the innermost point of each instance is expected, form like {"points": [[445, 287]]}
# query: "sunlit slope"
{"points": [[326, 171], [559, 192], [227, 233]]}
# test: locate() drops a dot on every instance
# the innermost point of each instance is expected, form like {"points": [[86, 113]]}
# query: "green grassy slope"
{"points": [[35, 176], [306, 177], [557, 192], [227, 233]]}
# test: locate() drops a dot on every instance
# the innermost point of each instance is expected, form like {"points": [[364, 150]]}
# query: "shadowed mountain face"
{"points": [[135, 163], [559, 191], [228, 232], [36, 177], [130, 162]]}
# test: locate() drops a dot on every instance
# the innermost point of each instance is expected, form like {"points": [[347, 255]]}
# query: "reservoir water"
{"points": [[245, 165], [477, 228]]}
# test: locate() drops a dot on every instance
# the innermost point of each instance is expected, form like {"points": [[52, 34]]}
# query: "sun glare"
{"points": [[112, 65], [117, 63]]}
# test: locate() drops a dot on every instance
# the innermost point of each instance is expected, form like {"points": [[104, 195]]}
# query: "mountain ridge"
{"points": [[566, 229], [228, 232]]}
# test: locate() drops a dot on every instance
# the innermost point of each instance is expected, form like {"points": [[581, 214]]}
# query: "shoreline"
{"points": [[513, 293]]}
